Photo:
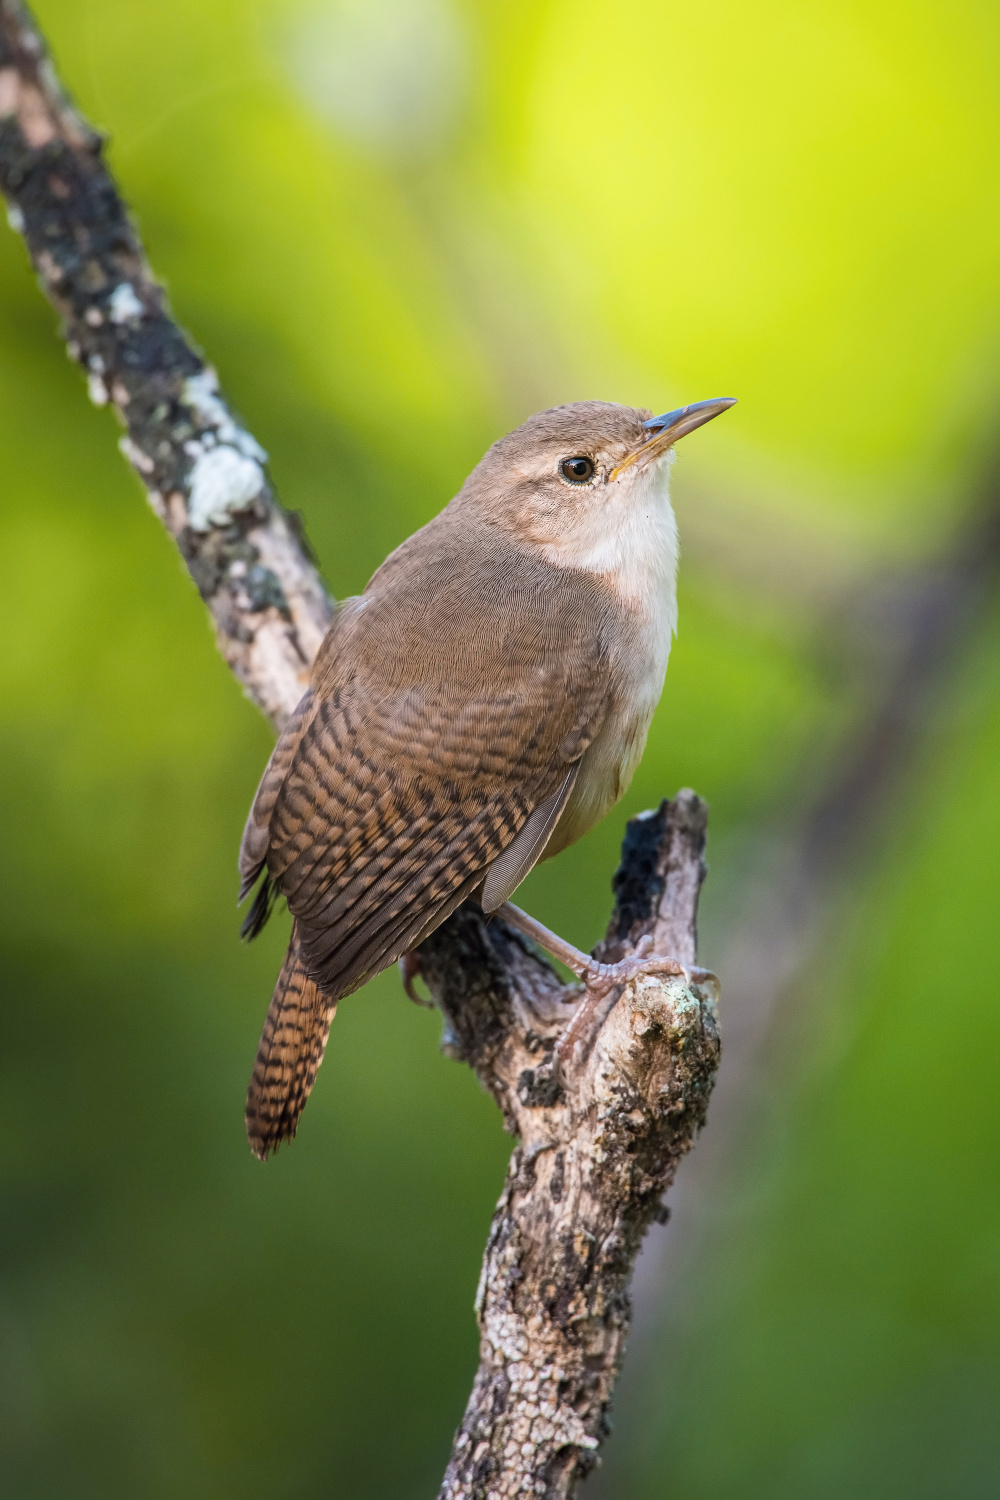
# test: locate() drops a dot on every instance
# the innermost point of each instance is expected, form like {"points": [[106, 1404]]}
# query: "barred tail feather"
{"points": [[291, 1049]]}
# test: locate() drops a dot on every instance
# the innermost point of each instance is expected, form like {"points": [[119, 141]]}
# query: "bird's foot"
{"points": [[645, 962], [410, 971], [604, 982], [599, 978]]}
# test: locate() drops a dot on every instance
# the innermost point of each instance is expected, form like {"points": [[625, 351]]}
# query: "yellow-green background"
{"points": [[794, 203]]}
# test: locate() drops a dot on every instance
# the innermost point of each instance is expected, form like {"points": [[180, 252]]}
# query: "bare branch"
{"points": [[203, 471], [598, 1143], [597, 1147]]}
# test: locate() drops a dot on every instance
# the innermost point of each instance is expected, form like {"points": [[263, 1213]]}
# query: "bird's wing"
{"points": [[523, 853], [253, 847], [408, 782]]}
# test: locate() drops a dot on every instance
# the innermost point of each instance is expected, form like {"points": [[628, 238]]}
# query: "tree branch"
{"points": [[598, 1143], [597, 1148], [203, 472]]}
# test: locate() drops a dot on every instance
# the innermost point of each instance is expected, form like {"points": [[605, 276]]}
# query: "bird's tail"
{"points": [[291, 1049]]}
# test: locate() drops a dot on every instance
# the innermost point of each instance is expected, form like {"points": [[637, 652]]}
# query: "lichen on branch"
{"points": [[598, 1142], [203, 472]]}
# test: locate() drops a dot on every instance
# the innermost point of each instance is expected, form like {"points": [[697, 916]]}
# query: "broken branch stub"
{"points": [[597, 1146]]}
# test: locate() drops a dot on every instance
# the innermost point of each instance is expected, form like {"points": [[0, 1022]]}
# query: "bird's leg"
{"points": [[595, 975], [599, 978], [573, 958]]}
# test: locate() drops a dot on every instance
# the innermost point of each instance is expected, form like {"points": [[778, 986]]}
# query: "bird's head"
{"points": [[587, 484]]}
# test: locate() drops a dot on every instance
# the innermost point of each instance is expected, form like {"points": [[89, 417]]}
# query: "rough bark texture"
{"points": [[597, 1148], [203, 472], [598, 1143]]}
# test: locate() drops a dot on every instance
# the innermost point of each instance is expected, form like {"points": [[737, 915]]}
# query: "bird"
{"points": [[478, 708]]}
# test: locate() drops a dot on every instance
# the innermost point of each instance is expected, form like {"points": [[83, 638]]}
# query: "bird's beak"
{"points": [[664, 431]]}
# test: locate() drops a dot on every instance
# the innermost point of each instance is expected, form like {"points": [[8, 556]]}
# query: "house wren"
{"points": [[479, 707]]}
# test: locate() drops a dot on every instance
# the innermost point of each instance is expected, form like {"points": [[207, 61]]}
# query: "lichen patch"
{"points": [[222, 482]]}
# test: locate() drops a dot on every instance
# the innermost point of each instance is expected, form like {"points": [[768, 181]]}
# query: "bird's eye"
{"points": [[577, 470]]}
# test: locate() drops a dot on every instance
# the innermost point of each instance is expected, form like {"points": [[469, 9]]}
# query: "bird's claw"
{"points": [[409, 968], [599, 977]]}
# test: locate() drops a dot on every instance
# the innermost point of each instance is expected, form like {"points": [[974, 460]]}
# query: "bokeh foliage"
{"points": [[649, 203]]}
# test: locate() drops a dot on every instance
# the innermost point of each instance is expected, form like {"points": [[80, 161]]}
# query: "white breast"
{"points": [[635, 550]]}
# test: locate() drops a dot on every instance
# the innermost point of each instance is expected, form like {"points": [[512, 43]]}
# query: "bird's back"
{"points": [[481, 704]]}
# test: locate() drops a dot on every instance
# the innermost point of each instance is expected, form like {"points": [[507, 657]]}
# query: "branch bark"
{"points": [[203, 472], [597, 1148], [598, 1144]]}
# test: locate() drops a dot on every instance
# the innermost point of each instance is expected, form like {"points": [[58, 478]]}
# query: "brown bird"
{"points": [[479, 707]]}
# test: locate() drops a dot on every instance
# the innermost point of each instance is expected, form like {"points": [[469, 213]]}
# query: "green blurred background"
{"points": [[398, 227]]}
